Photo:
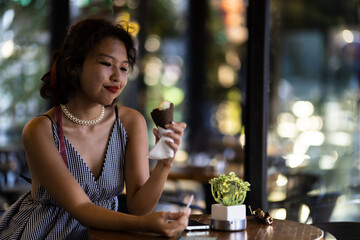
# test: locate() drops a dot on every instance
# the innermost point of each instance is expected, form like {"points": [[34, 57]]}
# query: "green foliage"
{"points": [[25, 30], [229, 190], [162, 19]]}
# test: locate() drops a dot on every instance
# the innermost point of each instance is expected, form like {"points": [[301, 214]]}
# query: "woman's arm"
{"points": [[139, 184], [48, 168]]}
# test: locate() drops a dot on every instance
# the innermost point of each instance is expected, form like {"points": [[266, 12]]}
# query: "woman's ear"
{"points": [[72, 67], [74, 71]]}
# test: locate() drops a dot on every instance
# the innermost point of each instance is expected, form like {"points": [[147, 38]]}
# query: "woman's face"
{"points": [[103, 75]]}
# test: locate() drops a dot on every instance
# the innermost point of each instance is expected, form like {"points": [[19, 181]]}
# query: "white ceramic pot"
{"points": [[228, 218]]}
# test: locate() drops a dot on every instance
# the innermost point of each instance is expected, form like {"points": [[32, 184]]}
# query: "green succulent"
{"points": [[229, 190]]}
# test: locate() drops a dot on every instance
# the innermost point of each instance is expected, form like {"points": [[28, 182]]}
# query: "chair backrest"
{"points": [[321, 206], [341, 230]]}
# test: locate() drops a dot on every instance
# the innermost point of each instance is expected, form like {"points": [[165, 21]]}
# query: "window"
{"points": [[24, 59], [313, 138]]}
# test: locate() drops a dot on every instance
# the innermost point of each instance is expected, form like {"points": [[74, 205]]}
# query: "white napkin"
{"points": [[162, 150]]}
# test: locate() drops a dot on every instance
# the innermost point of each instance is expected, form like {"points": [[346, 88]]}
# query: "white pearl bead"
{"points": [[80, 121]]}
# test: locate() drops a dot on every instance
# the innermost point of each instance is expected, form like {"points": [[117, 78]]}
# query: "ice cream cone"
{"points": [[161, 117]]}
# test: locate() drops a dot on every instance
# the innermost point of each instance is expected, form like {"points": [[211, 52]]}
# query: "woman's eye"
{"points": [[106, 64], [124, 69]]}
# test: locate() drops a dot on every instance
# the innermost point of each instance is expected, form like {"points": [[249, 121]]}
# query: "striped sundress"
{"points": [[45, 219]]}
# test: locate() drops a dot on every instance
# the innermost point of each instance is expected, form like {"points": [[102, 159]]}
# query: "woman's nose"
{"points": [[115, 76]]}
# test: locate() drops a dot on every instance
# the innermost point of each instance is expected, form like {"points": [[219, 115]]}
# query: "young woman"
{"points": [[82, 152]]}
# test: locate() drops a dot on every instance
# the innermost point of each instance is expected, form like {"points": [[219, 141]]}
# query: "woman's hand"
{"points": [[178, 129], [169, 224]]}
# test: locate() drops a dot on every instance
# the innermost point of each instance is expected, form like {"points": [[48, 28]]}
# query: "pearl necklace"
{"points": [[83, 122]]}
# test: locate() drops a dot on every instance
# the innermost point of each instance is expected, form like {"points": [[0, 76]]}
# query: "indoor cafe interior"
{"points": [[268, 89]]}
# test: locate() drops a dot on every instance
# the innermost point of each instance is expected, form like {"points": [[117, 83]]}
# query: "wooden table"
{"points": [[280, 229], [202, 174]]}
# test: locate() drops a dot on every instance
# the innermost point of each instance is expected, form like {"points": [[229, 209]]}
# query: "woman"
{"points": [[82, 152]]}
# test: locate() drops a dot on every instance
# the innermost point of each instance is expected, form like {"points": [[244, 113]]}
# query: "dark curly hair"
{"points": [[81, 39]]}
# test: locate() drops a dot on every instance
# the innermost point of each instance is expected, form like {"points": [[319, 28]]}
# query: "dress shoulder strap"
{"points": [[116, 112], [45, 115], [60, 132]]}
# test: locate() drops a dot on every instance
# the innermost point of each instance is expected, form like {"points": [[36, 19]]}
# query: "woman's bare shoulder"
{"points": [[131, 118], [39, 125], [127, 114]]}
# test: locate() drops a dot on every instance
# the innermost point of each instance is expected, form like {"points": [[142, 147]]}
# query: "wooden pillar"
{"points": [[59, 21], [196, 75], [256, 103]]}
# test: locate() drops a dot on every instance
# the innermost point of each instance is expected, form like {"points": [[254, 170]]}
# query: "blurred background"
{"points": [[194, 54]]}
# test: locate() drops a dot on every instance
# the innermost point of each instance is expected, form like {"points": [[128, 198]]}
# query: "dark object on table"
{"points": [[262, 217]]}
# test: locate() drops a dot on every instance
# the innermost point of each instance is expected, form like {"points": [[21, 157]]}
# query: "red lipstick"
{"points": [[113, 89]]}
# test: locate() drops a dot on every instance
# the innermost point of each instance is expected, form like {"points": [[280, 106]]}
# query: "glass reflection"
{"points": [[314, 129]]}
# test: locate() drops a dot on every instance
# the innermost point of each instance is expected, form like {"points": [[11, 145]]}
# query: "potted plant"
{"points": [[229, 191]]}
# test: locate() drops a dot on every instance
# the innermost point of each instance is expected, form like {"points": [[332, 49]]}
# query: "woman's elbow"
{"points": [[139, 211]]}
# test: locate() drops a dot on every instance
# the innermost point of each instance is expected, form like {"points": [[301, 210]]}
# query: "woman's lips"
{"points": [[113, 89]]}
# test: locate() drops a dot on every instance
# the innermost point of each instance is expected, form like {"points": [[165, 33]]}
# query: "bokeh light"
{"points": [[232, 58], [181, 156], [313, 123], [286, 127], [279, 213], [153, 70], [327, 161], [8, 18], [152, 43], [304, 213], [226, 76], [119, 3], [342, 139], [281, 180], [228, 117], [7, 49], [312, 138], [348, 36], [286, 130], [294, 161], [174, 95], [303, 108], [171, 75]]}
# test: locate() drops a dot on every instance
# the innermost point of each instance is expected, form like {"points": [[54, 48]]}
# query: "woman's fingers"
{"points": [[177, 215], [176, 135], [179, 222], [167, 223], [177, 127], [174, 146]]}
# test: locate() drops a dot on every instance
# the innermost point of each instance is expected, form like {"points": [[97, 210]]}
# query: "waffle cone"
{"points": [[163, 117]]}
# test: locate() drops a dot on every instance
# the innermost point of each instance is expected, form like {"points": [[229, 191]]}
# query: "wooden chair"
{"points": [[341, 230]]}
